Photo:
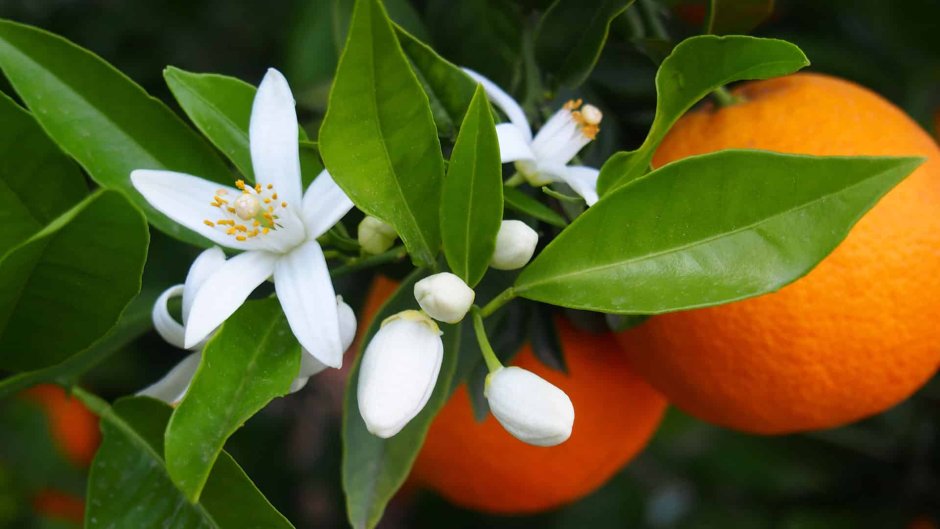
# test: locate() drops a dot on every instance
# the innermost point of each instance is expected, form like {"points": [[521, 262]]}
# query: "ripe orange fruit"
{"points": [[57, 505], [855, 336], [73, 427], [481, 466]]}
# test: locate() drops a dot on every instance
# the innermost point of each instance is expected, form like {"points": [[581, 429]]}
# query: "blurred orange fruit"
{"points": [[481, 466], [855, 336], [58, 505], [73, 427]]}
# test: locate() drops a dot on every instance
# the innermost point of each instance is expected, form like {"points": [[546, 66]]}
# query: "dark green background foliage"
{"points": [[880, 473]]}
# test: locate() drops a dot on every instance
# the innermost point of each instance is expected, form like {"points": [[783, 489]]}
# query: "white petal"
{"points": [[347, 322], [273, 137], [325, 203], [204, 266], [560, 139], [173, 386], [168, 328], [398, 372], [505, 102], [298, 384], [583, 180], [529, 407], [185, 199], [303, 285], [309, 365], [512, 144], [225, 290]]}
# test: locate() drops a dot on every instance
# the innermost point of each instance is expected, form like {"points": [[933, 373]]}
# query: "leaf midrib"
{"points": [[594, 269]]}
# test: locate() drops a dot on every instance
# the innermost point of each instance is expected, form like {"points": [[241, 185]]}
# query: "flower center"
{"points": [[254, 212], [588, 117]]}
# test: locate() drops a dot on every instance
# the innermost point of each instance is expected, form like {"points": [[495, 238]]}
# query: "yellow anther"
{"points": [[267, 201], [240, 184], [270, 186], [225, 222], [283, 204], [241, 228], [230, 231], [209, 223], [257, 188], [265, 231], [239, 237], [230, 209], [274, 196], [573, 104]]}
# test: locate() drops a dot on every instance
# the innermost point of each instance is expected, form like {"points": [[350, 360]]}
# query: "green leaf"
{"points": [[129, 485], [448, 88], [134, 321], [695, 68], [707, 230], [101, 118], [736, 16], [485, 35], [374, 468], [378, 138], [571, 36], [472, 197], [220, 107], [37, 182], [523, 203], [66, 286], [252, 359]]}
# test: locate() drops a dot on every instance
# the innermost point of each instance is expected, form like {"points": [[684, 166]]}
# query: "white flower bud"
{"points": [[529, 407], [375, 235], [398, 372], [444, 296], [515, 244]]}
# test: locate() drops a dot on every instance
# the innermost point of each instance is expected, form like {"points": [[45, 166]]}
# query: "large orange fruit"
{"points": [[481, 466], [860, 332]]}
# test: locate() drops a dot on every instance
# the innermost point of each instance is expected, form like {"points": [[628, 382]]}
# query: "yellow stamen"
{"points": [[239, 237], [209, 223]]}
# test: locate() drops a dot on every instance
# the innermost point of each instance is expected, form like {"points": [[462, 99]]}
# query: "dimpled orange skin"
{"points": [[860, 332], [481, 466]]}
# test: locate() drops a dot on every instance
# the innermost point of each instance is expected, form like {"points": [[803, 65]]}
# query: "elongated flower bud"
{"points": [[375, 235], [515, 244], [398, 372], [444, 296], [529, 407]]}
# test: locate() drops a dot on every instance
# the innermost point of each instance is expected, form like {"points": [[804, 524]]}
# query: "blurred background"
{"points": [[880, 473]]}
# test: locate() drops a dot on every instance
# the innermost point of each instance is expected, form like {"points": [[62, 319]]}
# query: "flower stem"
{"points": [[394, 254], [492, 363], [504, 297], [725, 98], [515, 180], [92, 402]]}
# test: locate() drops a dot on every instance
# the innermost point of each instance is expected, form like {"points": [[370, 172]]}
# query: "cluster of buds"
{"points": [[401, 364]]}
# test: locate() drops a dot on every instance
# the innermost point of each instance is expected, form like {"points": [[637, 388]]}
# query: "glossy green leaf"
{"points": [[220, 107], [571, 36], [66, 286], [101, 118], [129, 485], [472, 197], [252, 359], [37, 181], [485, 35], [448, 88], [134, 321], [378, 137], [695, 68], [707, 230], [374, 468], [320, 31], [523, 203], [727, 17]]}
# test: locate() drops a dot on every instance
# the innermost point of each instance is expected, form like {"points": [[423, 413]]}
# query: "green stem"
{"points": [[492, 363], [92, 402], [395, 254], [504, 297], [515, 180], [725, 98]]}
